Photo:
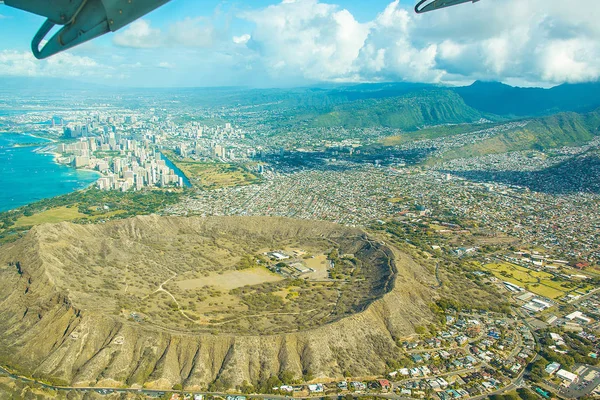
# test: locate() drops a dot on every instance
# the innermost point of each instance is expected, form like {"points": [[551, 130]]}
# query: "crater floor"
{"points": [[217, 275]]}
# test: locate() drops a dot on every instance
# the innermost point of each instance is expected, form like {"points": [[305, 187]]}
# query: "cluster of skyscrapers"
{"points": [[124, 163]]}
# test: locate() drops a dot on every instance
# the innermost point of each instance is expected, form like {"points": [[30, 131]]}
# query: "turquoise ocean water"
{"points": [[27, 176]]}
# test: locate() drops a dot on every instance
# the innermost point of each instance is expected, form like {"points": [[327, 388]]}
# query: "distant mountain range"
{"points": [[45, 85], [501, 99], [409, 111], [406, 106], [413, 106]]}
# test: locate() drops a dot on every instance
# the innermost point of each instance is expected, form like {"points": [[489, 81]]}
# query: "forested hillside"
{"points": [[564, 129], [408, 112]]}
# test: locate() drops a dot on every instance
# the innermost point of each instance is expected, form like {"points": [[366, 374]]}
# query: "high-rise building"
{"points": [[117, 166], [220, 151], [81, 161]]}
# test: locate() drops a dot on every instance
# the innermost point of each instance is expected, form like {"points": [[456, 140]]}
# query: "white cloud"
{"points": [[242, 39], [197, 32], [299, 41], [166, 65], [18, 63], [572, 60], [534, 41], [399, 58], [15, 63], [130, 66], [138, 35], [316, 40], [193, 32]]}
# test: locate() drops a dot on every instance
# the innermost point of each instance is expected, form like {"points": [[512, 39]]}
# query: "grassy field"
{"points": [[83, 206], [232, 279], [564, 129], [540, 283], [545, 291], [432, 133], [53, 215], [213, 175], [521, 274]]}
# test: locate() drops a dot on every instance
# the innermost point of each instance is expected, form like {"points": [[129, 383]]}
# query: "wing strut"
{"points": [[82, 20], [429, 5]]}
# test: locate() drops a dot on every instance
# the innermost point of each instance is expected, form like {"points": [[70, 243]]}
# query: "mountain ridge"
{"points": [[542, 133], [501, 99], [47, 336]]}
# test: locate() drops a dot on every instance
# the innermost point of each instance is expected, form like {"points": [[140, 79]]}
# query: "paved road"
{"points": [[584, 297], [3, 371], [517, 382]]}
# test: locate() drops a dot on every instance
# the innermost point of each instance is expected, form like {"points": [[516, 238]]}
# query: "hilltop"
{"points": [[409, 111], [501, 99], [543, 133], [74, 303]]}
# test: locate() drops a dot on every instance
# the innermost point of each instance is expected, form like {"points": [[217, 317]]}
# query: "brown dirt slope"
{"points": [[53, 332]]}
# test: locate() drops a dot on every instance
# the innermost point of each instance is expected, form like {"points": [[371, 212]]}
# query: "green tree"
{"points": [[526, 394]]}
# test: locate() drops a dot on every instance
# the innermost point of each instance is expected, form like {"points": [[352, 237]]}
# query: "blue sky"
{"points": [[267, 43]]}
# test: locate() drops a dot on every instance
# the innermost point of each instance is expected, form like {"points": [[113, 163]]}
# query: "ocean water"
{"points": [[27, 176]]}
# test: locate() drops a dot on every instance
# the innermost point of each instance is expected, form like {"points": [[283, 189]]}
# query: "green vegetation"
{"points": [[506, 396], [84, 207], [526, 394], [537, 370], [457, 286], [521, 394], [565, 129], [213, 174], [247, 261], [52, 215], [577, 349], [409, 112], [541, 283], [433, 133]]}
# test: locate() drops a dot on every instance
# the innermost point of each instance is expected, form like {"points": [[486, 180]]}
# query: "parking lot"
{"points": [[588, 381]]}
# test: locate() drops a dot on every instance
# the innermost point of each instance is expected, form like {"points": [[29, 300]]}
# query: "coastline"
{"points": [[56, 156], [40, 137], [33, 179], [30, 135], [100, 174]]}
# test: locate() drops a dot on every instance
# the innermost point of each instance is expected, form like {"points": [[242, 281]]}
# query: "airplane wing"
{"points": [[429, 5], [82, 20]]}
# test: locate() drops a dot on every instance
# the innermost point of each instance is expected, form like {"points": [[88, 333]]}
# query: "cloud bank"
{"points": [[529, 42], [16, 63]]}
